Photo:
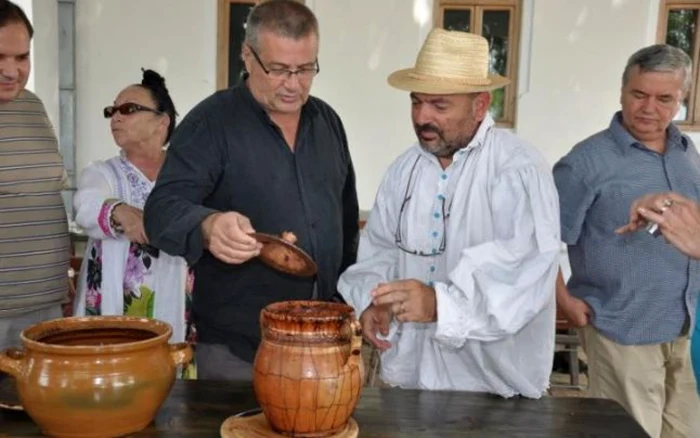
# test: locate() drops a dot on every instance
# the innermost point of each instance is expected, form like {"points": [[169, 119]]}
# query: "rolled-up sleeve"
{"points": [[174, 210]]}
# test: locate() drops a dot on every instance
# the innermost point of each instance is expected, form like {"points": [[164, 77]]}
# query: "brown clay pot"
{"points": [[101, 376], [308, 371]]}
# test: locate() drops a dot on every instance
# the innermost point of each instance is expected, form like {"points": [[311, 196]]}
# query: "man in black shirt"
{"points": [[263, 156]]}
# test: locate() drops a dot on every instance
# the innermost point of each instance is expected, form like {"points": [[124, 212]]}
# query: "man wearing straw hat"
{"points": [[457, 263]]}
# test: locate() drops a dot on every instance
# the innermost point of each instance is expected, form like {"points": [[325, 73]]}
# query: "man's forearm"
{"points": [[175, 226]]}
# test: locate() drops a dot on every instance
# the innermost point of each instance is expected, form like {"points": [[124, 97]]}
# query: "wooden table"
{"points": [[197, 409]]}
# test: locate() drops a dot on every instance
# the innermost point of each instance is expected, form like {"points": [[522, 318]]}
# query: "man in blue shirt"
{"points": [[634, 294]]}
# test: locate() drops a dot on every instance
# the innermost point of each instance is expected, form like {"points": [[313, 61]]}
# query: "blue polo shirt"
{"points": [[640, 288]]}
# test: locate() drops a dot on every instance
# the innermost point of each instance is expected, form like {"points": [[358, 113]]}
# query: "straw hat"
{"points": [[449, 62]]}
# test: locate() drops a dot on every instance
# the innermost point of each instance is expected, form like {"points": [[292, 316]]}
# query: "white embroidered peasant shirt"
{"points": [[496, 207]]}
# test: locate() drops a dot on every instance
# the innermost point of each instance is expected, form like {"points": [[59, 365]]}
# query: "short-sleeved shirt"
{"points": [[640, 288]]}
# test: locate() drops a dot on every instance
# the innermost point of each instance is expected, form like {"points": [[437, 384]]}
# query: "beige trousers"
{"points": [[654, 383]]}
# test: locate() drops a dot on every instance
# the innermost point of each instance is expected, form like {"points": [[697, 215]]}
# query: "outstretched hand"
{"points": [[374, 320]]}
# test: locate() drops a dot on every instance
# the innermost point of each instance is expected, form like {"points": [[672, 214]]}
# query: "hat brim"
{"points": [[408, 80]]}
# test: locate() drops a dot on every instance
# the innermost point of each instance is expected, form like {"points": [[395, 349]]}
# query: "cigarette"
{"points": [[653, 228]]}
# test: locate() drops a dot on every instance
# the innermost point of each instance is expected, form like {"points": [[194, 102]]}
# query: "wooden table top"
{"points": [[198, 408]]}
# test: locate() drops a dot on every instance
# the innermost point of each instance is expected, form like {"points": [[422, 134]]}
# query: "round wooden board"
{"points": [[256, 427]]}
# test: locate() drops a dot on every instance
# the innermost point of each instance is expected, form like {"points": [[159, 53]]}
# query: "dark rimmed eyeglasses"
{"points": [[304, 73], [127, 109], [399, 238]]}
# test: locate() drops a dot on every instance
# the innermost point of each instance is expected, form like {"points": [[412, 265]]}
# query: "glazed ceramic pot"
{"points": [[101, 376], [308, 370]]}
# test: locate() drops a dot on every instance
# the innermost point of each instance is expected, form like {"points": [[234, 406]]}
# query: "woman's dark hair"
{"points": [[11, 13], [155, 84]]}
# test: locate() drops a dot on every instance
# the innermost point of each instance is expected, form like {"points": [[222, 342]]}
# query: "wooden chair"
{"points": [[570, 341]]}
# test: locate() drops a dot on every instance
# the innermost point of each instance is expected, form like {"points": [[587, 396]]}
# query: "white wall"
{"points": [[571, 59], [358, 51], [27, 7], [578, 52], [115, 38], [572, 56], [45, 57], [181, 43]]}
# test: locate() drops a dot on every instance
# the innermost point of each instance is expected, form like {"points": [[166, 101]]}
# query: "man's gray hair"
{"points": [[285, 18], [660, 58]]}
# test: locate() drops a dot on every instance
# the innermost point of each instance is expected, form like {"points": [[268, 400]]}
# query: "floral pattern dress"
{"points": [[139, 296]]}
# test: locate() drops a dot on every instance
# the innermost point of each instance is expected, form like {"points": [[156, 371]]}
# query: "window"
{"points": [[232, 15], [499, 22], [678, 25]]}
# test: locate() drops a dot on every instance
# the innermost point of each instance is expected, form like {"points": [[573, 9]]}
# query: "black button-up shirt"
{"points": [[228, 155]]}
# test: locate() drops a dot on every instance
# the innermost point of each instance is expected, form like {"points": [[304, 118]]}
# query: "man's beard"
{"points": [[443, 148]]}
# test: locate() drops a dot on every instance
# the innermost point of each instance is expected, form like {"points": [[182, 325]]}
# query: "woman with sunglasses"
{"points": [[121, 272]]}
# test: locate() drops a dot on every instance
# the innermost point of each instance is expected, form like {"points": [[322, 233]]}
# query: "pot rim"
{"points": [[161, 330], [280, 311]]}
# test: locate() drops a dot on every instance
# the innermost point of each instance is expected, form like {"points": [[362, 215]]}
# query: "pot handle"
{"points": [[12, 362], [355, 358], [181, 353]]}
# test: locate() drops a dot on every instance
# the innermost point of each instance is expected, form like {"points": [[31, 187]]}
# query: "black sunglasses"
{"points": [[126, 109]]}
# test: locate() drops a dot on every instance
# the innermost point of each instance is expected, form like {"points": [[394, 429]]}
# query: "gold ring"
{"points": [[666, 204]]}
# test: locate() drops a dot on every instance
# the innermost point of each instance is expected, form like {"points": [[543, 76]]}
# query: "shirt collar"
{"points": [[481, 132], [624, 139]]}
